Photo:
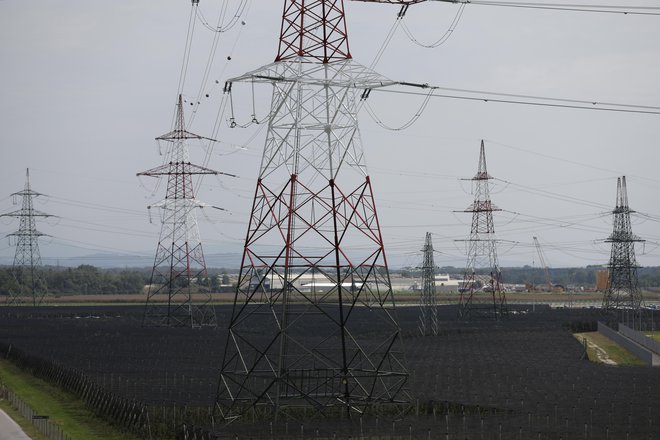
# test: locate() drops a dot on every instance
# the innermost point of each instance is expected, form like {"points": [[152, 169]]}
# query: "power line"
{"points": [[108, 208], [571, 7], [552, 195], [567, 7], [531, 100]]}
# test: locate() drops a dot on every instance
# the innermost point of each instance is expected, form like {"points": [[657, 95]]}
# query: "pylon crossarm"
{"points": [[349, 74], [22, 213], [180, 135], [178, 168]]}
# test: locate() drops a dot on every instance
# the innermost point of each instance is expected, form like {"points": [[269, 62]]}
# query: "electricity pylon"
{"points": [[544, 265], [30, 286], [482, 253], [428, 300], [314, 266], [179, 270], [623, 292]]}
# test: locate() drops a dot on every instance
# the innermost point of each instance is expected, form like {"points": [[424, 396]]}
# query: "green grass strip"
{"points": [[653, 335], [64, 409], [614, 351]]}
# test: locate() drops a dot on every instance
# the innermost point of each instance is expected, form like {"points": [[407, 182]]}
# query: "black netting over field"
{"points": [[523, 378]]}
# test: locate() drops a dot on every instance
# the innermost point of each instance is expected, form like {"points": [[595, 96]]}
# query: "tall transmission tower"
{"points": [[31, 287], [623, 292], [544, 265], [313, 322], [179, 267], [428, 301], [482, 253]]}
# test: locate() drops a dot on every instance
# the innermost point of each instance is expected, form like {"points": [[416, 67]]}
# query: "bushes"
{"points": [[84, 279]]}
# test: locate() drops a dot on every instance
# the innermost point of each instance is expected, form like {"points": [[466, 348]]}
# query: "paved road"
{"points": [[9, 430]]}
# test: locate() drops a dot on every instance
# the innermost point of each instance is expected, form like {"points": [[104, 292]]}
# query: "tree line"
{"points": [[87, 279], [84, 279]]}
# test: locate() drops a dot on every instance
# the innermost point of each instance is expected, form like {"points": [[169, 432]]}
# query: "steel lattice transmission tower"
{"points": [[31, 287], [482, 253], [179, 268], [623, 292], [428, 301], [313, 322]]}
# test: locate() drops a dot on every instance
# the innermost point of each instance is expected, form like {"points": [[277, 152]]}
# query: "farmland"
{"points": [[525, 377]]}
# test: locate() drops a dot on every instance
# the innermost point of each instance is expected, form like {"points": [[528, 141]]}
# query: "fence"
{"points": [[643, 353], [149, 422], [41, 422], [640, 338], [644, 341], [127, 414]]}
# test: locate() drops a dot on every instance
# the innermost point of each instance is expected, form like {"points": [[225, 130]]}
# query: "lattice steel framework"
{"points": [[179, 270], [30, 286], [428, 300], [316, 30], [482, 295], [544, 265], [623, 292], [313, 322]]}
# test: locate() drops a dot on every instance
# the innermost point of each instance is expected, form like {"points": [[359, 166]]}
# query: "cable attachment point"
{"points": [[402, 12], [365, 94], [227, 88]]}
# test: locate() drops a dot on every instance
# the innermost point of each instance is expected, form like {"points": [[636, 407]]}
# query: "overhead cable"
{"points": [[443, 38], [571, 7], [538, 101]]}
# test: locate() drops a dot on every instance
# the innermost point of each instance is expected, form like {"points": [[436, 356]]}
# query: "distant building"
{"points": [[602, 279], [515, 288], [444, 283]]}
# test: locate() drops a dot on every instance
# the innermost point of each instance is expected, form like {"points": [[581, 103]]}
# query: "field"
{"points": [[524, 378], [653, 335], [602, 349], [404, 296]]}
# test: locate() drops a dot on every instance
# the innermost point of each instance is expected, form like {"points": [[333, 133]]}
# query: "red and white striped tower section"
{"points": [[313, 321], [482, 294], [178, 295]]}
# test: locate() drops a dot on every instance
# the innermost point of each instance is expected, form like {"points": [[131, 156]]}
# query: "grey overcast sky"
{"points": [[86, 86]]}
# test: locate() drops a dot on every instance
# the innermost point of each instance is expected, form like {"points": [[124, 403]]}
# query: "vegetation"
{"points": [[25, 425], [84, 279], [87, 279], [654, 335], [614, 351], [63, 408]]}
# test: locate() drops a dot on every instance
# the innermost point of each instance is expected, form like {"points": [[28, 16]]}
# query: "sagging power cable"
{"points": [[448, 33]]}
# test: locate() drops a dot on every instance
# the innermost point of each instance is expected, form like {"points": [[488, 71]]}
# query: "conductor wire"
{"points": [[448, 33]]}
